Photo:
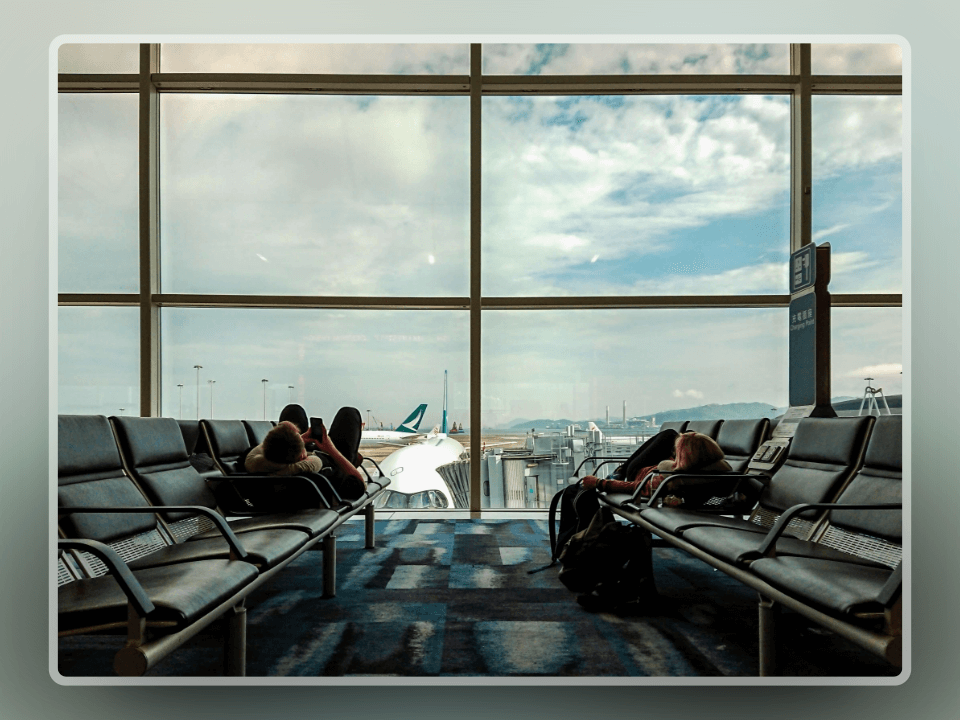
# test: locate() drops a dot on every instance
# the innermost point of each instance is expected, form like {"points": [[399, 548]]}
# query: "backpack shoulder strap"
{"points": [[552, 525]]}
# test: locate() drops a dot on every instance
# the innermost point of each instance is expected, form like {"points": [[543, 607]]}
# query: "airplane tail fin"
{"points": [[413, 421]]}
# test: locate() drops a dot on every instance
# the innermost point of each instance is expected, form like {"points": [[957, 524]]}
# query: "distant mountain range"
{"points": [[714, 411]]}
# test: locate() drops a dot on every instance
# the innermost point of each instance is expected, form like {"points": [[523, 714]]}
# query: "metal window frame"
{"points": [[800, 84]]}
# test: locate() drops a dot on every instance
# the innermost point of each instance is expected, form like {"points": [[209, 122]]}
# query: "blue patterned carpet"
{"points": [[449, 598]]}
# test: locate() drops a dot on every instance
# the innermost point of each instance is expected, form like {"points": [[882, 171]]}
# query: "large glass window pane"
{"points": [[549, 369], [338, 58], [856, 59], [866, 343], [857, 202], [384, 363], [98, 361], [98, 58], [97, 185], [315, 195], [634, 59], [613, 195]]}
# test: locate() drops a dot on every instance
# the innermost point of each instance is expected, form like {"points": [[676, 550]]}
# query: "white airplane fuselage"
{"points": [[413, 469]]}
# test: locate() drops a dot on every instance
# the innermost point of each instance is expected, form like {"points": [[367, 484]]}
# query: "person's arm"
{"points": [[326, 446]]}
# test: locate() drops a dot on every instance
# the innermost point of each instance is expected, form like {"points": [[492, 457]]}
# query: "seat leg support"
{"points": [[330, 566], [235, 643], [769, 610], [370, 522]]}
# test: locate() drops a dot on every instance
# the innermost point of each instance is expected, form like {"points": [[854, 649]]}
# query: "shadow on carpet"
{"points": [[452, 598]]}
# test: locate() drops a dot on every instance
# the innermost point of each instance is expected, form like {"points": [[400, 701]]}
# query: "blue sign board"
{"points": [[803, 350], [803, 268]]}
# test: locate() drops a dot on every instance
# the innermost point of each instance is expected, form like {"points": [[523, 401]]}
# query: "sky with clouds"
{"points": [[588, 195]]}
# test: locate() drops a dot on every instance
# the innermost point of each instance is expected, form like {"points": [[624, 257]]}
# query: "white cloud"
{"points": [[881, 371], [826, 232], [695, 394]]}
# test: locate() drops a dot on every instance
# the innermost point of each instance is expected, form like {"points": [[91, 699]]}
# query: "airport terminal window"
{"points": [[98, 361], [635, 195], [858, 190], [315, 195], [866, 342], [856, 59], [380, 362], [338, 58], [346, 200], [98, 58], [634, 59], [97, 183]]}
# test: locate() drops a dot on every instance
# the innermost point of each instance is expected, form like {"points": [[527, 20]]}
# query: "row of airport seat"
{"points": [[150, 546], [823, 539]]}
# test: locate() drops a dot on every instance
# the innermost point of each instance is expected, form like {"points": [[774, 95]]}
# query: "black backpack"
{"points": [[611, 565], [577, 506]]}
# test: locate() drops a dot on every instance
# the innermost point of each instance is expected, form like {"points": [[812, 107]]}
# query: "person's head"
{"points": [[297, 415], [693, 450], [283, 444]]}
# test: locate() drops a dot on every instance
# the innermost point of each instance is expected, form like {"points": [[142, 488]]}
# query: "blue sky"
{"points": [[581, 195]]}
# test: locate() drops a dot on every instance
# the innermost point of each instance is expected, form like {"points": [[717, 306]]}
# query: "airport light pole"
{"points": [[291, 392], [264, 381], [210, 383], [198, 389], [180, 385]]}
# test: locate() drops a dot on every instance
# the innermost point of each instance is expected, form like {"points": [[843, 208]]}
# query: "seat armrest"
{"points": [[768, 548], [605, 458], [236, 549], [136, 595], [726, 476]]}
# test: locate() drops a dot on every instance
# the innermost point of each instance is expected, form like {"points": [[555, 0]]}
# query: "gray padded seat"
{"points": [[182, 594], [257, 430], [190, 429], [878, 481], [160, 465], [739, 440], [823, 582], [823, 456], [838, 588], [710, 428], [678, 425], [227, 439], [90, 474]]}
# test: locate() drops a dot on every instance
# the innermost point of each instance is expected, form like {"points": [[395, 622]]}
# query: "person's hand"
{"points": [[323, 443]]}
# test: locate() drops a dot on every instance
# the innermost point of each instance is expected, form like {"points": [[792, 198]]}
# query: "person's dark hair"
{"points": [[283, 444], [297, 415]]}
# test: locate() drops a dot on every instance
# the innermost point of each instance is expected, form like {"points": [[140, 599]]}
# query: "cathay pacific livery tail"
{"points": [[405, 432]]}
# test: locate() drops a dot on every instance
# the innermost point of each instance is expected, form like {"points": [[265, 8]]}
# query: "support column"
{"points": [[370, 523], [149, 131], [801, 172], [235, 643], [475, 287], [330, 566], [769, 611]]}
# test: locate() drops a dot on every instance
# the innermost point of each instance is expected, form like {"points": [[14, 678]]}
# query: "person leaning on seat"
{"points": [[284, 452], [664, 453]]}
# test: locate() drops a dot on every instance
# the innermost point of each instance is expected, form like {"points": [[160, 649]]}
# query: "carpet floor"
{"points": [[452, 598]]}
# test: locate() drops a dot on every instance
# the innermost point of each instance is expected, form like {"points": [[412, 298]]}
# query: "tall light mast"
{"points": [[443, 426]]}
